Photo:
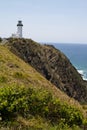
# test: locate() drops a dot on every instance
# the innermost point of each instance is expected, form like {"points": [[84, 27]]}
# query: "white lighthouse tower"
{"points": [[19, 29]]}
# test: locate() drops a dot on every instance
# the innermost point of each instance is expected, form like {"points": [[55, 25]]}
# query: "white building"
{"points": [[14, 35], [19, 30]]}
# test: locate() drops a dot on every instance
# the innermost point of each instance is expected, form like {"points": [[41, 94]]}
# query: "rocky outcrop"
{"points": [[52, 64]]}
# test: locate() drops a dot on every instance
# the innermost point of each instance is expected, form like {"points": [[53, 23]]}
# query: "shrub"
{"points": [[25, 101], [3, 79], [0, 39], [18, 75]]}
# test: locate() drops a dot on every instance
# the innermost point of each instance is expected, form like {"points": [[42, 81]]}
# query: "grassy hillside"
{"points": [[53, 65], [29, 101], [13, 70]]}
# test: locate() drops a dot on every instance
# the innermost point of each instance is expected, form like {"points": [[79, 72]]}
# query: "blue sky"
{"points": [[61, 21]]}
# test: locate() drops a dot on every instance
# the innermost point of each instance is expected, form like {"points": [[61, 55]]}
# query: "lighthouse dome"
{"points": [[19, 23]]}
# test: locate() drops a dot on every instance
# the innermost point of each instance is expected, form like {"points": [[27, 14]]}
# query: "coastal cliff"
{"points": [[52, 64], [30, 101]]}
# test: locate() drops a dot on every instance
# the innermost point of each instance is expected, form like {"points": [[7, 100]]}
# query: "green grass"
{"points": [[29, 101], [35, 107]]}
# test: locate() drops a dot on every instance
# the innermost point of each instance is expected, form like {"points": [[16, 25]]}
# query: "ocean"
{"points": [[77, 54]]}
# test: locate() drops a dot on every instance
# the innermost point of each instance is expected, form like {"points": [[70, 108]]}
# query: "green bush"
{"points": [[18, 75], [17, 100], [3, 79], [0, 39], [12, 100]]}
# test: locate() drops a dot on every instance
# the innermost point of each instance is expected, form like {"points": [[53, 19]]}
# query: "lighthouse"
{"points": [[19, 29]]}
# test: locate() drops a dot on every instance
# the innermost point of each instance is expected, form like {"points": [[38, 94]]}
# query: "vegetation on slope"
{"points": [[53, 65], [29, 101]]}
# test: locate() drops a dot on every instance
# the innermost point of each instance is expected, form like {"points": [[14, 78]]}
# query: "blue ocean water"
{"points": [[77, 54]]}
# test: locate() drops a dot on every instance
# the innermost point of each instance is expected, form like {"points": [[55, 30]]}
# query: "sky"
{"points": [[57, 21]]}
